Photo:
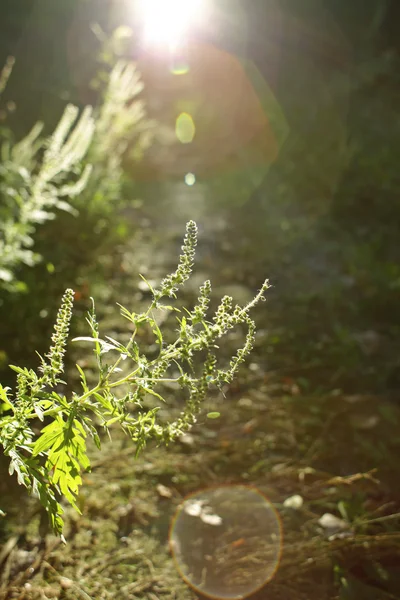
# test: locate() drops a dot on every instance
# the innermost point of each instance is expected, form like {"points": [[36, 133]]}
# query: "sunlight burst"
{"points": [[167, 21]]}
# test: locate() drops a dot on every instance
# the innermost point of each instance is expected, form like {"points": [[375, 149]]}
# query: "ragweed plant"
{"points": [[31, 189], [49, 463], [76, 169]]}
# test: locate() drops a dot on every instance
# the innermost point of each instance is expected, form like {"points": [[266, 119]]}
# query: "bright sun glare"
{"points": [[167, 21]]}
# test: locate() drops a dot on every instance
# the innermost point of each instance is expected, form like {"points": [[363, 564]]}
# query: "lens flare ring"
{"points": [[226, 541]]}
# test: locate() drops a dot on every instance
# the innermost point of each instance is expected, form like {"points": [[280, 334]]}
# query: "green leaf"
{"points": [[18, 370], [133, 351], [167, 307], [147, 283], [113, 420], [157, 333], [103, 401], [50, 434], [60, 399], [127, 314], [4, 398], [97, 440], [343, 510], [83, 379], [79, 427], [152, 392], [141, 318], [88, 339], [66, 458]]}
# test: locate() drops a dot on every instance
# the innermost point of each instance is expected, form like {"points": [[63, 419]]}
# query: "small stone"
{"points": [[369, 341], [295, 502], [278, 467], [332, 523], [193, 508], [66, 583], [250, 426], [210, 519], [51, 592], [355, 398], [245, 403], [364, 422], [147, 466], [164, 491], [114, 488], [187, 439]]}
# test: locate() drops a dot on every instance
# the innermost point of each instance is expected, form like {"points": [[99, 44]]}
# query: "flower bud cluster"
{"points": [[170, 284], [59, 338]]}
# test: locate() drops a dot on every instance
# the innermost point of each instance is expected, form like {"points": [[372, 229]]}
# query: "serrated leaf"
{"points": [[4, 398], [45, 404], [50, 434], [84, 460], [80, 427]]}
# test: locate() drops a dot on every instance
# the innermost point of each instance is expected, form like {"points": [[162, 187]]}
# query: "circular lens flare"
{"points": [[226, 541], [190, 179], [185, 128]]}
